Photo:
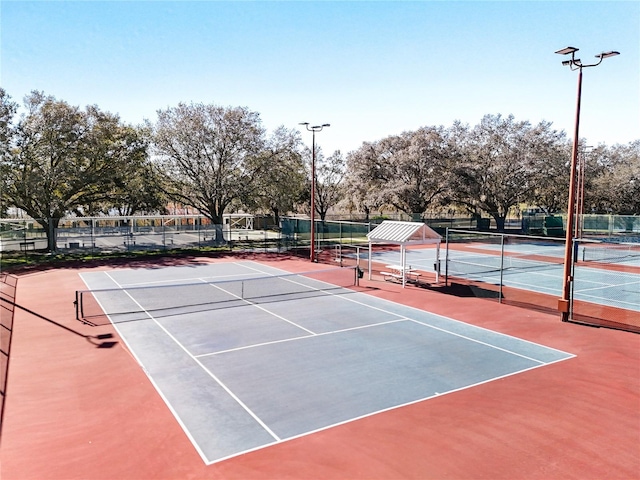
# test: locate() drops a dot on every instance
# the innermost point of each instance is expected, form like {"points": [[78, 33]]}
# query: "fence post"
{"points": [[611, 225], [574, 245]]}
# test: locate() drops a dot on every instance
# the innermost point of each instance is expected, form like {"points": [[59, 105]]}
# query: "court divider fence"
{"points": [[527, 271], [609, 270]]}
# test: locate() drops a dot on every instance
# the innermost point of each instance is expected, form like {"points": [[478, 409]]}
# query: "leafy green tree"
{"points": [[420, 171], [551, 168], [65, 159], [136, 188]]}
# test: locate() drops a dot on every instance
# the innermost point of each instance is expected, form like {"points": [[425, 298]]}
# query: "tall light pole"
{"points": [[313, 130], [574, 64]]}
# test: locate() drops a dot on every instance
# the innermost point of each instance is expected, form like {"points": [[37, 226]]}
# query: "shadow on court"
{"points": [[97, 340], [461, 290]]}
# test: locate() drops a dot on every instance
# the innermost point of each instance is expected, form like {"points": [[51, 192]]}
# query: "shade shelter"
{"points": [[403, 234]]}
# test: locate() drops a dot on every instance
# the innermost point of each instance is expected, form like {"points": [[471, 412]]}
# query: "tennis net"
{"points": [[139, 302], [610, 253], [478, 265]]}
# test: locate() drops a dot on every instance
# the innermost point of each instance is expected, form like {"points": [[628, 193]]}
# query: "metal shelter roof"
{"points": [[403, 233]]}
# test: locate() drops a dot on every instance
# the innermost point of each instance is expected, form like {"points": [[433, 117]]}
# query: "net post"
{"points": [[77, 305], [437, 264], [501, 267], [446, 258]]}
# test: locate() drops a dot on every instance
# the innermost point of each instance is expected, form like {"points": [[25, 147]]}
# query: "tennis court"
{"points": [[101, 401], [536, 268], [247, 356]]}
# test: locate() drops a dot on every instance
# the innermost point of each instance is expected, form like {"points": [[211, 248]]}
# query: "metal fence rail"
{"points": [[168, 232], [528, 271]]}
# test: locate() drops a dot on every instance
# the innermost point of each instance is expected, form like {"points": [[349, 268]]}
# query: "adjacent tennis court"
{"points": [[246, 356], [537, 268]]}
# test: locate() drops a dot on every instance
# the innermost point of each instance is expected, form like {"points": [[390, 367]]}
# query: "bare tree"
{"points": [[502, 162], [408, 172], [367, 175], [8, 109], [206, 151], [279, 176], [329, 175], [616, 188]]}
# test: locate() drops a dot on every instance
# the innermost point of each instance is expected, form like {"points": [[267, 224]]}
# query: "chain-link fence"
{"points": [[606, 284], [519, 269], [131, 233], [89, 235], [528, 271]]}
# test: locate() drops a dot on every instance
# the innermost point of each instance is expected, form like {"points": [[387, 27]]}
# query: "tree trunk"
{"points": [[51, 229]]}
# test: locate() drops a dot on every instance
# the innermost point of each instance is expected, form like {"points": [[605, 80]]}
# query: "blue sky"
{"points": [[370, 68]]}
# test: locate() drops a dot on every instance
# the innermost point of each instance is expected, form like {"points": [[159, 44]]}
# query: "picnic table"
{"points": [[395, 273]]}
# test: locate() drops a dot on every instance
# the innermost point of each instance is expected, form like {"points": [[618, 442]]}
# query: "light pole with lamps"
{"points": [[574, 64], [313, 130]]}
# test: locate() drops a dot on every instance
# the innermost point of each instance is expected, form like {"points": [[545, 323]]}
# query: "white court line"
{"points": [[350, 299], [292, 339], [602, 285], [211, 374], [166, 401], [180, 281], [603, 300], [400, 318], [597, 300], [436, 394], [249, 302], [478, 341], [388, 409], [612, 303]]}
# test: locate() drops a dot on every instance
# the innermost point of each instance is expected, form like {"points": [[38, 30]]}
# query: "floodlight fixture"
{"points": [[607, 54], [567, 50]]}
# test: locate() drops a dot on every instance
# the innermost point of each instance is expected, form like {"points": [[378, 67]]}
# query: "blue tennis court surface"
{"points": [[263, 372], [594, 285]]}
